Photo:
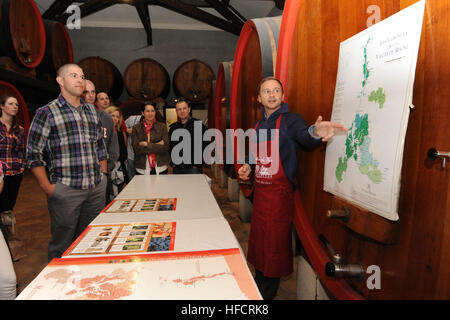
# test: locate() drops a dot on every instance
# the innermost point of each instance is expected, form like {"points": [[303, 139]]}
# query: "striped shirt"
{"points": [[68, 142], [12, 150]]}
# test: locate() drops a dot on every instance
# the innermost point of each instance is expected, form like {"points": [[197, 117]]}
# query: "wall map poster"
{"points": [[372, 98], [124, 239], [141, 205]]}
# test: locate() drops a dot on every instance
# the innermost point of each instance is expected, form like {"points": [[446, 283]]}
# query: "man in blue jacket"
{"points": [[269, 247]]}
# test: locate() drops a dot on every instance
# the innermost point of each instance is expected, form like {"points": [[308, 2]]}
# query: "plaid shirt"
{"points": [[69, 142], [12, 150]]}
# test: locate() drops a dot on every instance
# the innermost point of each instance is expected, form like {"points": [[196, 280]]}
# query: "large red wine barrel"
{"points": [[105, 75], [133, 107], [411, 253], [222, 104], [193, 81], [146, 79], [254, 59], [22, 32], [23, 117], [58, 49]]}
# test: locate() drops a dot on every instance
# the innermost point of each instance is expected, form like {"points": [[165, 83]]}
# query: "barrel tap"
{"points": [[336, 269], [433, 154]]}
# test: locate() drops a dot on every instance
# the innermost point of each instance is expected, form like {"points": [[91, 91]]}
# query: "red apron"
{"points": [[270, 243]]}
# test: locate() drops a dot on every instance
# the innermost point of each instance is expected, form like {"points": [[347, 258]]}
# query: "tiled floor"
{"points": [[33, 224]]}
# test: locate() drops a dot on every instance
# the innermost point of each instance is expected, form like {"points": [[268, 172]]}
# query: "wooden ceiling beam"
{"points": [[56, 9], [196, 3], [223, 8], [200, 15], [232, 23], [144, 15], [279, 4]]}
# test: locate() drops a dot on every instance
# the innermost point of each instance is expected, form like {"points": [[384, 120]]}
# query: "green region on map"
{"points": [[366, 71], [357, 147], [378, 96]]}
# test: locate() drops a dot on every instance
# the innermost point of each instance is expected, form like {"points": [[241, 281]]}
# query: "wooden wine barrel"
{"points": [[222, 97], [58, 49], [146, 79], [22, 32], [133, 107], [104, 75], [23, 117], [193, 80], [412, 253], [254, 59], [212, 106], [222, 106]]}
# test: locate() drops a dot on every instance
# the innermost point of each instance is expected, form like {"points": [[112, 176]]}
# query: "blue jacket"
{"points": [[294, 133]]}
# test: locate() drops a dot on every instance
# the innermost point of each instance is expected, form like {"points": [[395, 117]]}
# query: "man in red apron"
{"points": [[275, 164]]}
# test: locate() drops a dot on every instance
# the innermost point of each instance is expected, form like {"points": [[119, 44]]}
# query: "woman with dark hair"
{"points": [[12, 158], [150, 141]]}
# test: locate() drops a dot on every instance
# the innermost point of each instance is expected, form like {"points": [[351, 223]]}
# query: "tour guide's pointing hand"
{"points": [[326, 129]]}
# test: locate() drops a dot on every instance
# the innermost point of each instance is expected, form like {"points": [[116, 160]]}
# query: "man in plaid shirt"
{"points": [[67, 156]]}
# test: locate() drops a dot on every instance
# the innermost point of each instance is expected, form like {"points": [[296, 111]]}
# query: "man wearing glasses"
{"points": [[67, 156], [269, 246], [109, 134], [193, 131]]}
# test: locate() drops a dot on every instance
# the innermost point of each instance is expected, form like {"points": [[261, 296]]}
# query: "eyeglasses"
{"points": [[180, 99], [274, 91]]}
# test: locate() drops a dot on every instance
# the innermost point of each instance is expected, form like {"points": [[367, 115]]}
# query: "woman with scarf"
{"points": [[150, 141]]}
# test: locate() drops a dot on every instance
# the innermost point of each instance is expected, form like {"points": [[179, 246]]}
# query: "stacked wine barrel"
{"points": [[22, 32], [193, 81], [146, 79], [222, 109], [104, 74], [58, 50]]}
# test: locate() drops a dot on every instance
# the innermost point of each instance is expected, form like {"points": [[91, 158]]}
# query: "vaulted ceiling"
{"points": [[227, 15]]}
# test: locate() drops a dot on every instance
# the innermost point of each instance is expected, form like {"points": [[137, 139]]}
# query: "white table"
{"points": [[195, 199], [205, 252]]}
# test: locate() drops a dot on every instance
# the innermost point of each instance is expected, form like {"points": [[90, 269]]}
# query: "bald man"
{"points": [[103, 100], [68, 157]]}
